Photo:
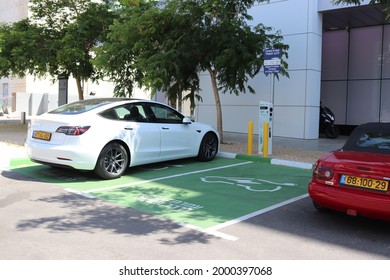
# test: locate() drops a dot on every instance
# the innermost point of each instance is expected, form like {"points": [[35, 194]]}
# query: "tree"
{"points": [[166, 47], [57, 40], [15, 39]]}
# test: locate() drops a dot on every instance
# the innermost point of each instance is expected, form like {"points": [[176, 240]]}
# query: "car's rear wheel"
{"points": [[317, 206], [112, 162], [208, 147]]}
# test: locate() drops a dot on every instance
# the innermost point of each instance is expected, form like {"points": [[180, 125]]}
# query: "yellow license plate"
{"points": [[42, 135], [368, 183]]}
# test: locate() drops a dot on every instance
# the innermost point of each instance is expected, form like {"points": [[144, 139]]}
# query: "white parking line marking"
{"points": [[83, 194], [253, 214], [215, 229], [166, 177], [211, 232]]}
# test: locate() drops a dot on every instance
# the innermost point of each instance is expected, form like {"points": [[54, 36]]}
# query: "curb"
{"points": [[274, 161], [254, 158], [296, 164], [12, 121]]}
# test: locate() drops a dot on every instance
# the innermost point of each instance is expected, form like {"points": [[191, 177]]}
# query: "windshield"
{"points": [[370, 137], [82, 106]]}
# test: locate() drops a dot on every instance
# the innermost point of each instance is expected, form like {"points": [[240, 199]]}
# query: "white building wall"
{"points": [[296, 99], [50, 86], [46, 91], [12, 11]]}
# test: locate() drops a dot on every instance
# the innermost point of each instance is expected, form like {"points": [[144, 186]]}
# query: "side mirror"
{"points": [[186, 120]]}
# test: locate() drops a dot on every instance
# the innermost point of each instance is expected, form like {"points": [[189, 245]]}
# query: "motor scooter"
{"points": [[327, 125]]}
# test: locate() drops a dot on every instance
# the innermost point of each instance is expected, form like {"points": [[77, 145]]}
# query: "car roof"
{"points": [[90, 104], [365, 131], [99, 104]]}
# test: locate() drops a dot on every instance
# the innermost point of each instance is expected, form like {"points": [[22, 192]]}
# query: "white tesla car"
{"points": [[108, 135]]}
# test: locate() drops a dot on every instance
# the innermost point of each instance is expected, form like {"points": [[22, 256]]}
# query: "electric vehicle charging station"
{"points": [[265, 115]]}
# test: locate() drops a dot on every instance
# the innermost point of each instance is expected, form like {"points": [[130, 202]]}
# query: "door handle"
{"points": [[165, 128], [128, 128]]}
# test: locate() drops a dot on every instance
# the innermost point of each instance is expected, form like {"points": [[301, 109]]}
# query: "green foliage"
{"points": [[118, 55], [80, 36], [166, 47], [56, 40], [21, 48]]}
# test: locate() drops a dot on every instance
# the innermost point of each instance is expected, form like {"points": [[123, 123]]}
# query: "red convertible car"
{"points": [[355, 179]]}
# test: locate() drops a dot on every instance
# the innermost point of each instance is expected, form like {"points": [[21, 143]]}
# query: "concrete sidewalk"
{"points": [[285, 151], [289, 149]]}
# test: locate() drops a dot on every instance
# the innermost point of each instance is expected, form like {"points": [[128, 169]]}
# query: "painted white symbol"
{"points": [[249, 184], [160, 166]]}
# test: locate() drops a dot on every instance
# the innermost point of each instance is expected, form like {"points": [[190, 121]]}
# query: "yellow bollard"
{"points": [[265, 139], [250, 137]]}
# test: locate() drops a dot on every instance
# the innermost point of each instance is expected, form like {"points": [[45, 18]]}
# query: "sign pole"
{"points": [[272, 64]]}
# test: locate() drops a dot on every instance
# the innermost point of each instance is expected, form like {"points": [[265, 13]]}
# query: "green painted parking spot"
{"points": [[85, 181], [199, 194]]}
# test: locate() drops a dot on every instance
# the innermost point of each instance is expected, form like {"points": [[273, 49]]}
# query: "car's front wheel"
{"points": [[208, 147], [112, 162]]}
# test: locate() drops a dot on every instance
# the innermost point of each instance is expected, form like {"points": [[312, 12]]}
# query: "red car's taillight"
{"points": [[72, 130], [323, 172]]}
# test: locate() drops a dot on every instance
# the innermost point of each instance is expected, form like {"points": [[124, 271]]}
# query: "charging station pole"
{"points": [[266, 115]]}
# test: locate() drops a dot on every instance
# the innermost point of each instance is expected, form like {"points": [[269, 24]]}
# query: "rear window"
{"points": [[370, 138], [379, 141], [81, 106]]}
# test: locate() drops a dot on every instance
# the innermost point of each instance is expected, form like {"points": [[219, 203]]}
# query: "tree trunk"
{"points": [[80, 88], [217, 103]]}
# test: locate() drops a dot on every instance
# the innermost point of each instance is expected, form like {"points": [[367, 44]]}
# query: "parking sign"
{"points": [[272, 61]]}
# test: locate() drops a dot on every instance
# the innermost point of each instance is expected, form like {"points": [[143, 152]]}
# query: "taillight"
{"points": [[72, 130], [323, 172]]}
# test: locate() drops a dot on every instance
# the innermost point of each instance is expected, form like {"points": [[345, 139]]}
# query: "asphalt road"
{"points": [[40, 221]]}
